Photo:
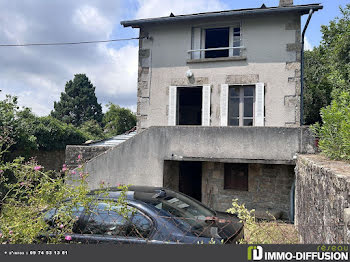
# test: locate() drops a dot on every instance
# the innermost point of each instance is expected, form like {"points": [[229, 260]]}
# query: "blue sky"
{"points": [[37, 75]]}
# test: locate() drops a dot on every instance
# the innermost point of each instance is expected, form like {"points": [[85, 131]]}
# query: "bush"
{"points": [[263, 232], [334, 133], [28, 193]]}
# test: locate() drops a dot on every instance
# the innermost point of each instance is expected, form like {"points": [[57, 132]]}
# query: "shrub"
{"points": [[334, 133]]}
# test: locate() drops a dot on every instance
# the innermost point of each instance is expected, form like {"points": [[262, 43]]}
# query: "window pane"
{"points": [[217, 37], [249, 91], [141, 226], [236, 177], [248, 122], [233, 122], [233, 108], [234, 91], [105, 219], [248, 107]]}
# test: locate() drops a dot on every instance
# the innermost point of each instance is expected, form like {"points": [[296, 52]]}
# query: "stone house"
{"points": [[218, 108]]}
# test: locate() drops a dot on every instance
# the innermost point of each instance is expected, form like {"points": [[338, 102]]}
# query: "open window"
{"points": [[215, 42], [189, 105]]}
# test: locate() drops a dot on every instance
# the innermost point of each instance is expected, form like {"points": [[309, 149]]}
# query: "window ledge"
{"points": [[218, 59]]}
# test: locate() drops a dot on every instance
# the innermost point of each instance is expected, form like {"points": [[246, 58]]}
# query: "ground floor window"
{"points": [[236, 177]]}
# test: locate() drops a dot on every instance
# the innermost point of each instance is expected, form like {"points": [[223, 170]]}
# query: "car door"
{"points": [[105, 223]]}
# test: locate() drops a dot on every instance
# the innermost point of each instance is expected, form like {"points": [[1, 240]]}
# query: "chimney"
{"points": [[286, 2]]}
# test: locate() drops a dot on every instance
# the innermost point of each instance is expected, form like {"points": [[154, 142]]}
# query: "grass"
{"points": [[270, 232]]}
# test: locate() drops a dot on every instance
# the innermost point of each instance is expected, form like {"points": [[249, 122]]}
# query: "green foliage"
{"points": [[317, 92], [53, 134], [263, 232], [92, 130], [27, 192], [78, 103], [327, 67], [11, 123], [118, 120], [334, 133], [25, 131]]}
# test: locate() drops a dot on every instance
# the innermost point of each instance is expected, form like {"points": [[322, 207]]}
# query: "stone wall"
{"points": [[50, 160], [322, 199], [86, 152], [269, 187]]}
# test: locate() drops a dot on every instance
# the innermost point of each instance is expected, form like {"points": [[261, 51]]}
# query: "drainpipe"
{"points": [[302, 69]]}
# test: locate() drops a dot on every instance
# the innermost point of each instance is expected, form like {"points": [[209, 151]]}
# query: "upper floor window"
{"points": [[214, 42]]}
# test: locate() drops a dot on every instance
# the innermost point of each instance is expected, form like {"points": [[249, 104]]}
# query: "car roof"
{"points": [[133, 192]]}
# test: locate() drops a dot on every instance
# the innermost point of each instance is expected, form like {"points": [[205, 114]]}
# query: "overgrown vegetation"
{"points": [[28, 194], [263, 232], [327, 67], [327, 94], [71, 123]]}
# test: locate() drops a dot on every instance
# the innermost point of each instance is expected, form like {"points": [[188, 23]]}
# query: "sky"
{"points": [[37, 75]]}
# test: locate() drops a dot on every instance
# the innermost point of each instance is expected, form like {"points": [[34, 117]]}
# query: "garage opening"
{"points": [[190, 179], [189, 106]]}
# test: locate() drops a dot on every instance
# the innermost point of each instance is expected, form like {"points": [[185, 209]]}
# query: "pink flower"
{"points": [[37, 168], [64, 169], [80, 166], [22, 183], [10, 232], [73, 172], [61, 226], [79, 157], [118, 185], [0, 235], [64, 165], [68, 238], [81, 175], [1, 171]]}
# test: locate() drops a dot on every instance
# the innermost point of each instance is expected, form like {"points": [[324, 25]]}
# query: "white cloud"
{"points": [[37, 75], [307, 45], [155, 8]]}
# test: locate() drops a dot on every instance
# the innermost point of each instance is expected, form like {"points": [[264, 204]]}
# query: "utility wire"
{"points": [[70, 43]]}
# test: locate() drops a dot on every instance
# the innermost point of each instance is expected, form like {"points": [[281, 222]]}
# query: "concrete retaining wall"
{"points": [[140, 160], [322, 200]]}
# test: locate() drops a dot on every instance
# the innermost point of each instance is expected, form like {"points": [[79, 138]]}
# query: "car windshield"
{"points": [[177, 205]]}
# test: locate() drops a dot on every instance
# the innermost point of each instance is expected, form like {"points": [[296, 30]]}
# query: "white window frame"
{"points": [[173, 106], [198, 47], [258, 104]]}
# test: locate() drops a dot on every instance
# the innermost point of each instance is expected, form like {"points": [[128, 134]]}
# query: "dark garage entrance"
{"points": [[190, 179], [189, 106]]}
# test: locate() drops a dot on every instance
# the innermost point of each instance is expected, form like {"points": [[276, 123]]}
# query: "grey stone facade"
{"points": [[322, 200], [269, 188]]}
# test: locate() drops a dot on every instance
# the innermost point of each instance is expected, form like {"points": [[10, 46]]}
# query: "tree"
{"points": [[327, 67], [318, 89], [78, 103], [92, 130], [117, 120]]}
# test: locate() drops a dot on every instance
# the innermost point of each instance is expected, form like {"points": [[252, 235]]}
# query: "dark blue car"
{"points": [[155, 216]]}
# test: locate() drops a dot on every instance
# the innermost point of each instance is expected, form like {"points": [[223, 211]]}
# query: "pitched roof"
{"points": [[301, 9]]}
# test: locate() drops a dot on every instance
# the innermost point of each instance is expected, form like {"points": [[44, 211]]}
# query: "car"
{"points": [[154, 215]]}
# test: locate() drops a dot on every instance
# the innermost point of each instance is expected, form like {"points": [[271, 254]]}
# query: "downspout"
{"points": [[302, 69]]}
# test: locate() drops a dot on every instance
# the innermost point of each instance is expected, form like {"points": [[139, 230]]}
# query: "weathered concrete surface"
{"points": [[322, 200], [86, 153], [140, 160]]}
